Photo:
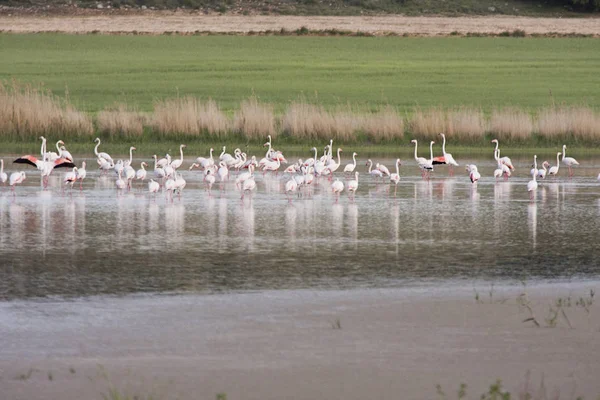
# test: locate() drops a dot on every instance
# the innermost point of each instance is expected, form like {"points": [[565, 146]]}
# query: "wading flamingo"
{"points": [[424, 164], [446, 158], [350, 167], [3, 176], [395, 177], [532, 185], [353, 186], [337, 187], [505, 160], [568, 161], [554, 169]]}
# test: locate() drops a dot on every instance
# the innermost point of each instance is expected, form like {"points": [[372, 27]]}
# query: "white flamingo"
{"points": [[505, 160], [532, 185], [141, 173], [474, 174], [349, 168], [544, 170], [554, 169], [204, 163], [153, 187], [120, 183], [337, 187], [290, 187], [395, 177], [568, 161], [209, 180], [102, 155], [375, 173], [70, 178], [175, 164], [424, 164], [248, 186], [16, 178], [353, 185], [446, 158], [3, 175]]}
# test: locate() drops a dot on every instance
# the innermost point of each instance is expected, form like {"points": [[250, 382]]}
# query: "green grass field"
{"points": [[486, 72]]}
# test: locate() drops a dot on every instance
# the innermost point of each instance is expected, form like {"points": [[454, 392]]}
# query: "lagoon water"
{"points": [[442, 231]]}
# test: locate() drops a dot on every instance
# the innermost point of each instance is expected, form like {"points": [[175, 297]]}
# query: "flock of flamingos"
{"points": [[165, 175]]}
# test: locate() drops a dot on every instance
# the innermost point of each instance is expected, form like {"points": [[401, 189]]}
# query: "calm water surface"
{"points": [[443, 230]]}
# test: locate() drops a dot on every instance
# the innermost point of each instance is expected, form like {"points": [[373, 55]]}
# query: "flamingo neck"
{"points": [[416, 158], [339, 156], [181, 153], [496, 149], [563, 153], [354, 159], [444, 145], [557, 161], [211, 156], [397, 169], [57, 147], [96, 149], [431, 151], [370, 165], [130, 155]]}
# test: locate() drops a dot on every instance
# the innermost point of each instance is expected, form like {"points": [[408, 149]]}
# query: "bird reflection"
{"points": [[352, 219], [337, 218], [532, 222]]}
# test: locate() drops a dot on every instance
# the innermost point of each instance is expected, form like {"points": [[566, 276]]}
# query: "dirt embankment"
{"points": [[157, 22]]}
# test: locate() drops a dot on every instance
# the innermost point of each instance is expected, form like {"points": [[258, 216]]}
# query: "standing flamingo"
{"points": [[141, 173], [70, 178], [568, 161], [395, 177], [209, 180], [204, 163], [424, 164], [554, 169], [337, 187], [16, 178], [532, 185], [353, 185], [3, 176], [290, 187], [153, 187], [375, 173], [45, 166], [102, 155], [505, 160], [543, 171], [474, 174], [350, 167], [177, 163], [446, 158]]}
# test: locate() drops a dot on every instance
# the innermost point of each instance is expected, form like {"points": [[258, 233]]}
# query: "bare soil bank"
{"points": [[391, 343], [156, 22]]}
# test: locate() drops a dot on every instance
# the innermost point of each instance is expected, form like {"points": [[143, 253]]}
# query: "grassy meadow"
{"points": [[365, 89]]}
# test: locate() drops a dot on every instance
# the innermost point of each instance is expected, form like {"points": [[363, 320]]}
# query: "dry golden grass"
{"points": [[384, 125], [255, 120], [187, 115], [27, 112], [561, 122], [427, 124], [511, 124], [466, 124], [308, 121], [119, 120]]}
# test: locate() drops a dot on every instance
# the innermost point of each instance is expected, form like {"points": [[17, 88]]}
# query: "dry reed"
{"points": [[187, 115], [465, 124], [119, 120], [384, 125], [560, 122], [27, 112], [254, 120], [426, 125], [511, 124]]}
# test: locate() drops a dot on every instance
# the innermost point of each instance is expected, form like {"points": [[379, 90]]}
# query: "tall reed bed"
{"points": [[120, 120], [189, 116], [27, 112]]}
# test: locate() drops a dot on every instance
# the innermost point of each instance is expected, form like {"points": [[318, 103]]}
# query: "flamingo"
{"points": [[532, 185], [163, 162], [375, 173], [424, 164], [3, 176], [337, 187], [63, 153], [353, 185], [170, 187], [102, 155], [50, 155], [179, 184], [543, 171], [243, 176], [332, 166], [503, 168], [568, 161], [177, 163], [274, 154], [141, 173], [395, 177], [81, 174], [446, 158], [153, 187], [248, 186], [350, 167], [290, 186], [383, 169], [271, 166], [209, 179], [554, 169], [104, 165], [505, 160], [474, 174], [45, 166], [226, 157], [204, 163], [16, 178], [70, 178], [159, 172], [120, 183]]}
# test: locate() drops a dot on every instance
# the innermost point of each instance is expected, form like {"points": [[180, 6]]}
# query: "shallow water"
{"points": [[94, 242]]}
